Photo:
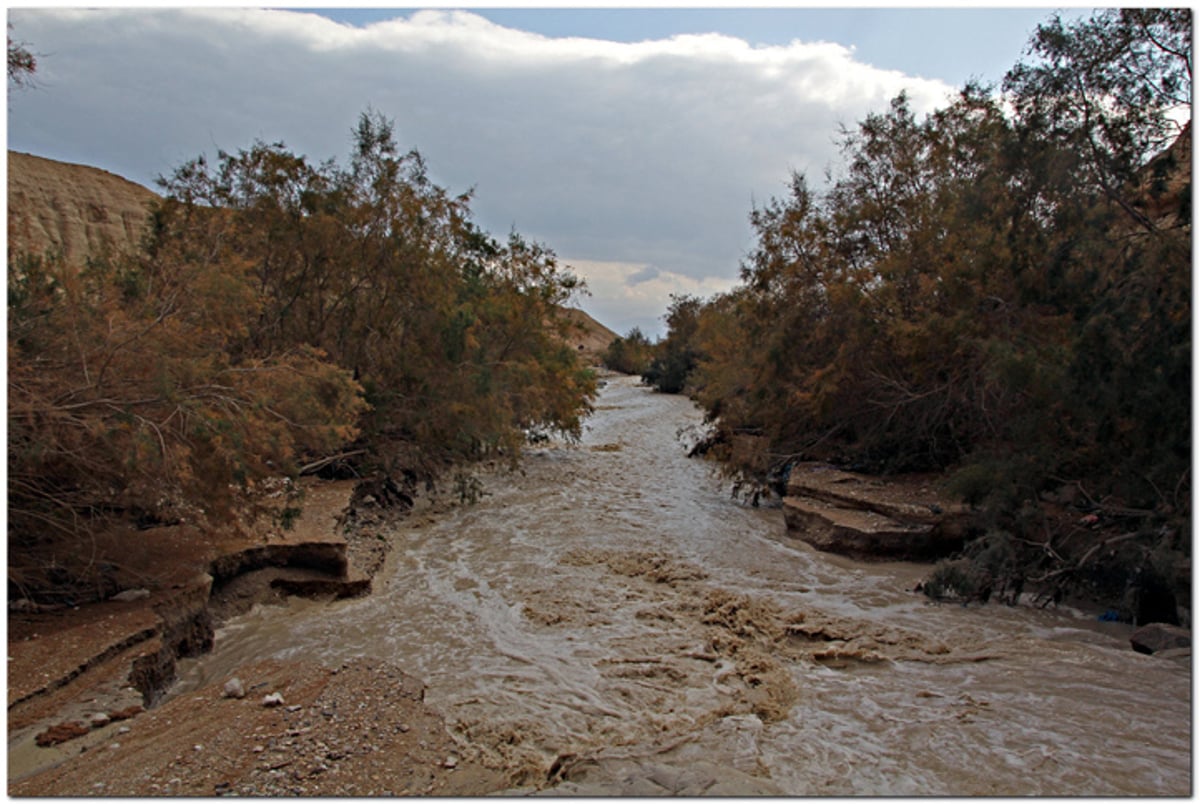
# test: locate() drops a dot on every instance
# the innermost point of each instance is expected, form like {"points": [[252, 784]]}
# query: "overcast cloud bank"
{"points": [[637, 163]]}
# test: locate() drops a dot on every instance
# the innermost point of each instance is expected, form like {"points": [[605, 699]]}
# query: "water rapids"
{"points": [[609, 621]]}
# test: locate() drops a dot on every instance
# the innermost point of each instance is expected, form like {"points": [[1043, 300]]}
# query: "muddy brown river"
{"points": [[609, 621]]}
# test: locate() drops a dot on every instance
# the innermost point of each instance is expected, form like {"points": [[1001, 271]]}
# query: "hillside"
{"points": [[77, 209], [81, 210], [591, 337]]}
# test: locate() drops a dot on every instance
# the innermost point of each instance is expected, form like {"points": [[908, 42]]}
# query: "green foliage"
{"points": [[1002, 562], [959, 579], [288, 516], [999, 481], [1105, 86], [467, 487], [629, 355], [990, 566], [1005, 295], [676, 356]]}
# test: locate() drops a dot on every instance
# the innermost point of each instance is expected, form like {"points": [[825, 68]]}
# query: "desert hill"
{"points": [[590, 337], [72, 209], [80, 210]]}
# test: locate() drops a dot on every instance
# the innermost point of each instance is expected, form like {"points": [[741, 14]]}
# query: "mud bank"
{"points": [[73, 671], [357, 729]]}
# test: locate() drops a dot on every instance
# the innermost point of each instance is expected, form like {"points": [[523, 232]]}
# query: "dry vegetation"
{"points": [[1001, 291], [270, 318]]}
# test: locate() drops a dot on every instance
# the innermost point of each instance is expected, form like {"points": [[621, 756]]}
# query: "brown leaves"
{"points": [[124, 396], [276, 311]]}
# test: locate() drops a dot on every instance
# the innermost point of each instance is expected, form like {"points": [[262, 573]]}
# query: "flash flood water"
{"points": [[609, 621]]}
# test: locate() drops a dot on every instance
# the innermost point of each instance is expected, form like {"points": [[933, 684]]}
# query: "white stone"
{"points": [[130, 595], [234, 688], [274, 699]]}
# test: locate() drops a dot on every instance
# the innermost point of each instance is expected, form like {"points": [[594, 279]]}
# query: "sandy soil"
{"points": [[361, 729]]}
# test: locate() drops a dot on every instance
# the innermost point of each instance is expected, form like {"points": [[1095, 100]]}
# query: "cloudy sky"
{"points": [[632, 142]]}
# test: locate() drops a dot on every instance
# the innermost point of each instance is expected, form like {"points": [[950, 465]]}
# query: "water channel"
{"points": [[610, 621]]}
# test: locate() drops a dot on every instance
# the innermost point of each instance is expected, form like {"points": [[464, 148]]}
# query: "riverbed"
{"points": [[609, 620]]}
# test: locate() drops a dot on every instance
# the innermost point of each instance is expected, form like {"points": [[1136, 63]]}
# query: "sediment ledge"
{"points": [[864, 517], [82, 664]]}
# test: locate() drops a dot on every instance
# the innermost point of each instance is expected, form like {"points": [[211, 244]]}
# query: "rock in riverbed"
{"points": [[1156, 637], [249, 750]]}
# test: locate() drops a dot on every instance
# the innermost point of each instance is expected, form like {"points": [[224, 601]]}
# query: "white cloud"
{"points": [[626, 295], [646, 153]]}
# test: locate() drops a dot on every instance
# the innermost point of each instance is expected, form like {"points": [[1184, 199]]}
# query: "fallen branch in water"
{"points": [[1084, 558]]}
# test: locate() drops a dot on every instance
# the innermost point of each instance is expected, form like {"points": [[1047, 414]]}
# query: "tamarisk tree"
{"points": [[279, 313], [1000, 290]]}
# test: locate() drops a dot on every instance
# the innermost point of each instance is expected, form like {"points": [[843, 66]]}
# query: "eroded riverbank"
{"points": [[609, 621]]}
